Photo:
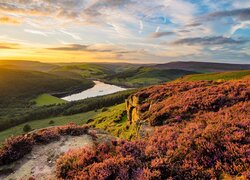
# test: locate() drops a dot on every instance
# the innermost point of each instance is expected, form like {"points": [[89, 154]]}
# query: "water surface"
{"points": [[99, 89]]}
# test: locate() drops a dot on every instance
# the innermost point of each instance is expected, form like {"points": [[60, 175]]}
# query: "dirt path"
{"points": [[40, 163]]}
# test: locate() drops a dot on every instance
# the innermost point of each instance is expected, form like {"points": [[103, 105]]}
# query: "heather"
{"points": [[15, 148], [213, 145], [183, 100], [200, 131]]}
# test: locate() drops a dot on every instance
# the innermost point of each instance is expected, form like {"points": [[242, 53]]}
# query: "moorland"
{"points": [[176, 120]]}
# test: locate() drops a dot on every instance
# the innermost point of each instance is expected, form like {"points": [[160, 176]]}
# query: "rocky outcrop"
{"points": [[135, 115], [132, 108]]}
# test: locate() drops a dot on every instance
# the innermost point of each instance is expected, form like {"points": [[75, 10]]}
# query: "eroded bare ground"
{"points": [[41, 162]]}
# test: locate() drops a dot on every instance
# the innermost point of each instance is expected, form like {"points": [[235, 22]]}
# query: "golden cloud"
{"points": [[7, 45], [9, 20]]}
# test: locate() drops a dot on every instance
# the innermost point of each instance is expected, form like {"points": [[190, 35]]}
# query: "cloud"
{"points": [[7, 45], [71, 47], [86, 48], [240, 14], [241, 25], [104, 49], [195, 24], [141, 26], [216, 40], [161, 34], [74, 36], [9, 20], [35, 32]]}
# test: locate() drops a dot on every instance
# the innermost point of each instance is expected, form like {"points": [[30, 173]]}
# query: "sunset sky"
{"points": [[135, 31]]}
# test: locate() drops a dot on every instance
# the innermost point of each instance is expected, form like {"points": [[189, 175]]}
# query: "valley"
{"points": [[167, 103]]}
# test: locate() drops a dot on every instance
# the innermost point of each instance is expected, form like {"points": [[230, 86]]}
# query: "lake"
{"points": [[99, 89]]}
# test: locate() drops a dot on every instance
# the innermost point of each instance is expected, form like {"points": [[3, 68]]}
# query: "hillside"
{"points": [[187, 130], [145, 76], [162, 104], [27, 65], [216, 76], [193, 130], [19, 86], [86, 70], [203, 67]]}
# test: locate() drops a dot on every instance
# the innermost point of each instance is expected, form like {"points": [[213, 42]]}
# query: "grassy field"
{"points": [[216, 76], [46, 99], [114, 120], [146, 76], [86, 70], [37, 124]]}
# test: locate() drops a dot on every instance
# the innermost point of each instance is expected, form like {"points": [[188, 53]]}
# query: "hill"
{"points": [[27, 65], [217, 76], [20, 86], [192, 130], [203, 67], [86, 70], [145, 76]]}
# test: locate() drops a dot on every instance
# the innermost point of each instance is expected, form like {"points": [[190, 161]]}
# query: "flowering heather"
{"points": [[16, 147], [211, 140], [177, 101]]}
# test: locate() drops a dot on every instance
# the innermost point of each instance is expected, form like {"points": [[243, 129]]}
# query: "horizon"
{"points": [[125, 31], [112, 62]]}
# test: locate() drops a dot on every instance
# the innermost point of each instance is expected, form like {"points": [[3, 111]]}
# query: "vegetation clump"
{"points": [[15, 148], [51, 122], [27, 128]]}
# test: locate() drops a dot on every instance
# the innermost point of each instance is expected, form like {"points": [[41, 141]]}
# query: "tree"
{"points": [[27, 128]]}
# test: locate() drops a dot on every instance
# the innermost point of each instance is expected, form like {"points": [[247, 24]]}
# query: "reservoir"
{"points": [[99, 89]]}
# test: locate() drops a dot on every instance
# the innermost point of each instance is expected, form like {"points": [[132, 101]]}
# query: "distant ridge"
{"points": [[27, 65], [203, 66]]}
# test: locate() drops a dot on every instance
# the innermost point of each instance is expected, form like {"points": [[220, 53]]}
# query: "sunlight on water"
{"points": [[99, 89]]}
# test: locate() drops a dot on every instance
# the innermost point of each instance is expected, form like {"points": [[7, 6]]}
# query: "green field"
{"points": [[146, 76], [46, 99], [86, 70], [37, 124], [216, 76], [112, 119]]}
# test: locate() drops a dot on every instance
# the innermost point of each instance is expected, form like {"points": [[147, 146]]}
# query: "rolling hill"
{"points": [[27, 65], [216, 76], [203, 67], [86, 70], [20, 86], [145, 76]]}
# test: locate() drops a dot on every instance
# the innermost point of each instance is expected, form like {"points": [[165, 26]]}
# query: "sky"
{"points": [[134, 31]]}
